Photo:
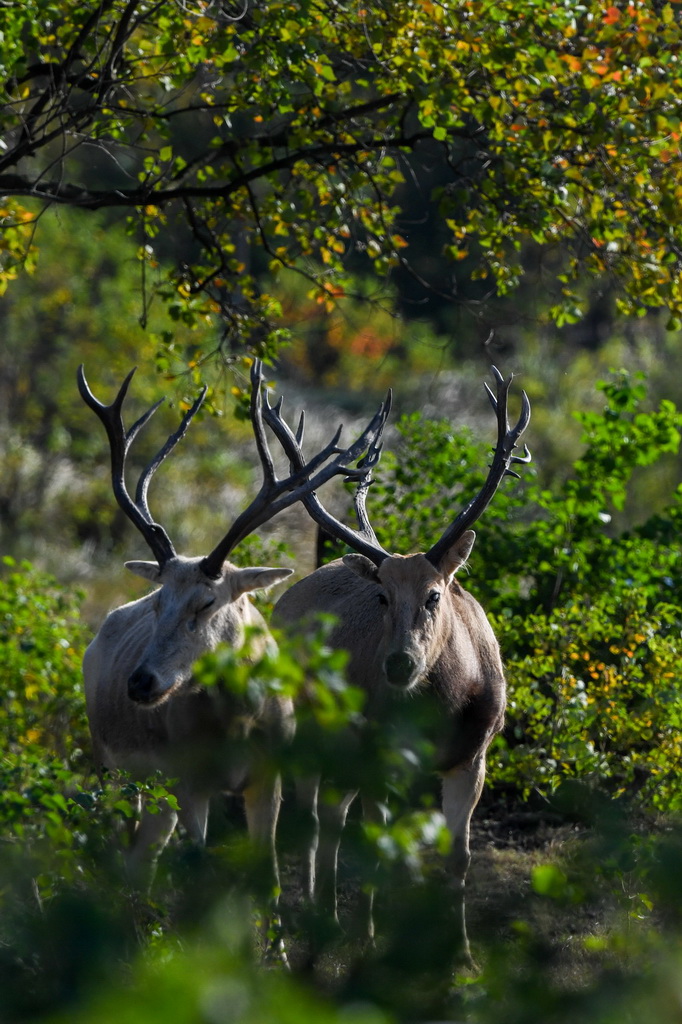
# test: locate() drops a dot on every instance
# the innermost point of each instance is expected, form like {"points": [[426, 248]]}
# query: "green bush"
{"points": [[41, 646]]}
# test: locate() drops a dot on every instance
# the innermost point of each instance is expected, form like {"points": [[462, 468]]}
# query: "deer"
{"points": [[413, 635], [145, 710]]}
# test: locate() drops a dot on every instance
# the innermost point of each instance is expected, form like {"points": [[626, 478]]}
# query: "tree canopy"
{"points": [[290, 134]]}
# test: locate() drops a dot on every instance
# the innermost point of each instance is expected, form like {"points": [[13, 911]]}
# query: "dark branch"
{"points": [[92, 199]]}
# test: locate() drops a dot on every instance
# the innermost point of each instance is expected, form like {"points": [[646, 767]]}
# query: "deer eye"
{"points": [[383, 600], [192, 623], [433, 599]]}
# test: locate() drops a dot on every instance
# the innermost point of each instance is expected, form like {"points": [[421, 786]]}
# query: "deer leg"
{"points": [[193, 815], [262, 802], [462, 788], [306, 800], [151, 836], [372, 813], [332, 816]]}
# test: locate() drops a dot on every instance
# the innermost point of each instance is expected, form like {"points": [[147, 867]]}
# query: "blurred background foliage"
{"points": [[575, 904]]}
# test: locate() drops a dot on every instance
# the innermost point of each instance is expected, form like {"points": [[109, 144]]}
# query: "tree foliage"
{"points": [[83, 307], [283, 135]]}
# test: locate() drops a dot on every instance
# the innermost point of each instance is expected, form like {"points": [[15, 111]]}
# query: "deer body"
{"points": [[435, 654], [413, 634]]}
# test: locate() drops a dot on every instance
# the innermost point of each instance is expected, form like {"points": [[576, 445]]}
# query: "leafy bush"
{"points": [[41, 646]]}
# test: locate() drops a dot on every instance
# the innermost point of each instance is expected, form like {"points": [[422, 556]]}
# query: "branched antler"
{"points": [[274, 494], [364, 540], [370, 441], [503, 457], [120, 441]]}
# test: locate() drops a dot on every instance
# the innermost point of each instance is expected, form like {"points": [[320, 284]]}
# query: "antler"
{"points": [[274, 494], [120, 441], [503, 457], [363, 540]]}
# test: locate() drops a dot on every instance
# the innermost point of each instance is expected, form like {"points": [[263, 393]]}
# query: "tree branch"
{"points": [[93, 199]]}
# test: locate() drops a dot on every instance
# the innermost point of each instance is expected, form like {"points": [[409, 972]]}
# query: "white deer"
{"points": [[145, 711]]}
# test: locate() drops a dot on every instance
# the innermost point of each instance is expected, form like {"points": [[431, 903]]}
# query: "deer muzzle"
{"points": [[143, 686], [402, 669]]}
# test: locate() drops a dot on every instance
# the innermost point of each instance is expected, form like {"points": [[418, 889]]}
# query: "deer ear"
{"points": [[243, 581], [362, 566], [147, 570], [455, 557]]}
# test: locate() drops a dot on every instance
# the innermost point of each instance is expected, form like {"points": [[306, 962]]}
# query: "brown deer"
{"points": [[411, 630], [144, 709]]}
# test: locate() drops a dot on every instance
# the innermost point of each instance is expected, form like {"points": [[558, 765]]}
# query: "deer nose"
{"points": [[141, 685], [400, 668]]}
